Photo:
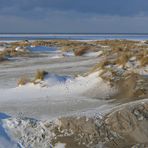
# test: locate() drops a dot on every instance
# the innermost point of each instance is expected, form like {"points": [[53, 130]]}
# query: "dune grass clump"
{"points": [[142, 56], [102, 65], [116, 43], [66, 48], [20, 43], [144, 61], [123, 58], [146, 42], [40, 75], [11, 52], [2, 57], [81, 50], [23, 81]]}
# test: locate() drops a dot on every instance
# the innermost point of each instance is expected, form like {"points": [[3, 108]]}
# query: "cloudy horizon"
{"points": [[79, 16]]}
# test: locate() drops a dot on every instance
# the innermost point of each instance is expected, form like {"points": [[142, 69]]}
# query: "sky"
{"points": [[73, 16]]}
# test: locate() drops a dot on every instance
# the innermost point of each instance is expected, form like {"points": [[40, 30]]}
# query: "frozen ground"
{"points": [[64, 91], [59, 96], [54, 62]]}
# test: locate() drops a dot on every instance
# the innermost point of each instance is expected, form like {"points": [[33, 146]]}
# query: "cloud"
{"points": [[73, 15], [58, 21], [101, 7]]}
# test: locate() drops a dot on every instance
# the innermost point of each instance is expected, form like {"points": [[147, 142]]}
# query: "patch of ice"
{"points": [[53, 79], [60, 145], [93, 54], [41, 49], [4, 143], [68, 54], [5, 139]]}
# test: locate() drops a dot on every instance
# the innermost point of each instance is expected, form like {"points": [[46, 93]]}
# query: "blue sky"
{"points": [[96, 16]]}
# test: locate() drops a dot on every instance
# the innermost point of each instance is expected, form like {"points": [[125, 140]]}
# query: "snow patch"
{"points": [[2, 48], [60, 145], [54, 86], [68, 54], [93, 54], [5, 140]]}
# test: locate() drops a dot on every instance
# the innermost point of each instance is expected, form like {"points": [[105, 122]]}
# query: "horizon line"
{"points": [[72, 33]]}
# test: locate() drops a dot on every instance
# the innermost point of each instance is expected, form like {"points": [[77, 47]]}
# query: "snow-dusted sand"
{"points": [[56, 96], [71, 89], [66, 92]]}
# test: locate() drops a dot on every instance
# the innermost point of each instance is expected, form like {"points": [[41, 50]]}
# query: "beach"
{"points": [[60, 91]]}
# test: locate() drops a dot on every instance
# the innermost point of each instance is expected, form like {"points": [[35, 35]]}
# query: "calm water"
{"points": [[13, 37]]}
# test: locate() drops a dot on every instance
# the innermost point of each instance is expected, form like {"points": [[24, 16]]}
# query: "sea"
{"points": [[71, 36]]}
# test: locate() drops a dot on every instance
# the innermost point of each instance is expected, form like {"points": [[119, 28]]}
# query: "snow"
{"points": [[2, 48], [143, 71], [59, 145], [55, 96], [57, 57], [17, 48], [88, 54], [64, 85], [68, 54], [58, 95], [25, 130], [93, 54], [5, 139]]}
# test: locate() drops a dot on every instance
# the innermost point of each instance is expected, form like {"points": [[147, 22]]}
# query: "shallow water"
{"points": [[14, 37]]}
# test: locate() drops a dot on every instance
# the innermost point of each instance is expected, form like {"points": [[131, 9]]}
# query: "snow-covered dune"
{"points": [[82, 97], [56, 95]]}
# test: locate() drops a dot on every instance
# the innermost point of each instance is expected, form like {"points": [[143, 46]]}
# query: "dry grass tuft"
{"points": [[81, 50], [144, 61], [123, 58], [40, 75], [2, 57], [23, 80], [101, 65]]}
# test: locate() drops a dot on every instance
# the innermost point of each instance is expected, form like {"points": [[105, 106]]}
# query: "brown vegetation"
{"points": [[23, 81], [144, 61], [81, 50], [125, 78], [11, 52], [2, 57], [123, 58], [40, 75]]}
